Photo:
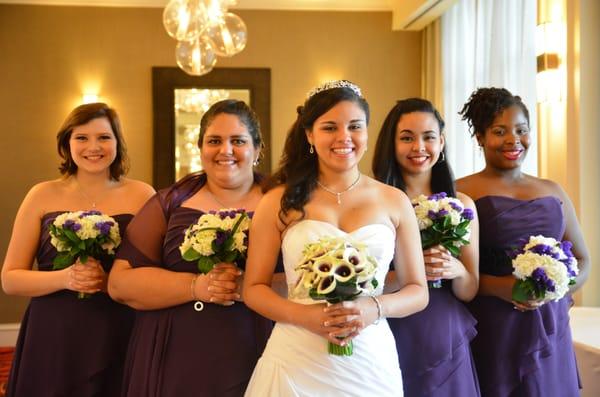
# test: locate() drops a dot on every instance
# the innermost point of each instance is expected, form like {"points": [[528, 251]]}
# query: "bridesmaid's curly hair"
{"points": [[485, 104], [298, 168]]}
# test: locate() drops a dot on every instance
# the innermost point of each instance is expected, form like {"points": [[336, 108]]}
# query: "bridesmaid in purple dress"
{"points": [[521, 349], [69, 346], [433, 345], [193, 335]]}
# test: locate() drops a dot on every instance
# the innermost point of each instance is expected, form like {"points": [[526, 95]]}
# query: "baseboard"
{"points": [[9, 333]]}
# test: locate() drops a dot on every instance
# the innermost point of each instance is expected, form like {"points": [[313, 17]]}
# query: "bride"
{"points": [[320, 192]]}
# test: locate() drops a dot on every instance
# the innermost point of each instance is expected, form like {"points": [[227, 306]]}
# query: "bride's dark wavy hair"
{"points": [[298, 168], [385, 166]]}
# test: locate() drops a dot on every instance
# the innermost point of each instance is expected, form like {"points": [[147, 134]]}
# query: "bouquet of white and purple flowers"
{"points": [[442, 221], [81, 234], [544, 268], [217, 236], [335, 269]]}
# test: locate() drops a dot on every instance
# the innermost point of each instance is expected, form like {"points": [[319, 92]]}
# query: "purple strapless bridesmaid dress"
{"points": [[70, 347], [179, 352], [520, 353], [433, 348]]}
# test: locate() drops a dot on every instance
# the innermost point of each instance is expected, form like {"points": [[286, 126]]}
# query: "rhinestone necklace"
{"points": [[338, 195]]}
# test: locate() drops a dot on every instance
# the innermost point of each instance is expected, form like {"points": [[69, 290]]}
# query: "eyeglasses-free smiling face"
{"points": [[93, 145], [340, 136], [506, 140], [227, 151], [419, 142]]}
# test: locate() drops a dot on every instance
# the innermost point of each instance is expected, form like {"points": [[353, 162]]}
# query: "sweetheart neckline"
{"points": [[335, 227]]}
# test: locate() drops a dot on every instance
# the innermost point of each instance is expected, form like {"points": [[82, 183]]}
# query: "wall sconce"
{"points": [[550, 76], [89, 98]]}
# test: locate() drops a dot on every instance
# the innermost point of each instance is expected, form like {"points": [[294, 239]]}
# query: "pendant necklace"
{"points": [[338, 195], [83, 193]]}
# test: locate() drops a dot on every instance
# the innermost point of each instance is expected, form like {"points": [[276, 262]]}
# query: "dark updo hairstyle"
{"points": [[81, 115], [237, 108], [298, 168], [190, 184], [485, 104], [385, 165]]}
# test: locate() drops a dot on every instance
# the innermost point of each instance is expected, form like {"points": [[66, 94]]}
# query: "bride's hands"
{"points": [[341, 322]]}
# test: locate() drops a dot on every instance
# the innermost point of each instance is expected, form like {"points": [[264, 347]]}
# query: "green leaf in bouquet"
{"points": [[191, 255], [374, 282], [230, 256], [525, 290], [82, 245], [83, 257], [454, 250], [237, 224], [62, 260], [205, 264], [315, 295], [71, 235], [228, 244], [447, 223]]}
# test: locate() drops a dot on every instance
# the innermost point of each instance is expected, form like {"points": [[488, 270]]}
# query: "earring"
{"points": [[312, 149], [256, 162]]}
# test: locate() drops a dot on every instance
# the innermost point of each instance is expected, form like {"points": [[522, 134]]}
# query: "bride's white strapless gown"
{"points": [[296, 363]]}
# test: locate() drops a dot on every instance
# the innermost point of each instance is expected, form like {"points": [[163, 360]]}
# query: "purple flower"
{"points": [[88, 213], [441, 213], [104, 227], [455, 206], [566, 247], [71, 225], [468, 214], [543, 249], [541, 279], [437, 196], [221, 237]]}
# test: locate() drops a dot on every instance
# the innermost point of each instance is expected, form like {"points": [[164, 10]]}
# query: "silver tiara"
{"points": [[334, 84]]}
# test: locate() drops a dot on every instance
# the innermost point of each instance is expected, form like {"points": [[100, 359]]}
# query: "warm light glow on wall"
{"points": [[550, 51], [90, 98]]}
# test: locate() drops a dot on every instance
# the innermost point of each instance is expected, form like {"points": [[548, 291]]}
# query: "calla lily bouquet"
{"points": [[81, 234], [217, 236], [544, 268], [336, 269], [442, 220]]}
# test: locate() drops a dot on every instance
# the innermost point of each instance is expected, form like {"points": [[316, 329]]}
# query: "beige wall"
{"points": [[49, 56]]}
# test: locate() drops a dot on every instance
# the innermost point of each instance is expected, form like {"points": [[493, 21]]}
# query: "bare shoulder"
{"points": [[387, 193], [43, 196], [133, 186], [466, 200], [468, 183], [273, 196]]}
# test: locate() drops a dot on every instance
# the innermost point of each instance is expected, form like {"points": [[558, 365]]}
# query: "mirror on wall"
{"points": [[180, 100]]}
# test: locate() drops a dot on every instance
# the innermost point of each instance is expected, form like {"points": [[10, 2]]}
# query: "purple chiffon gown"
{"points": [[520, 353], [70, 347], [178, 351], [433, 348]]}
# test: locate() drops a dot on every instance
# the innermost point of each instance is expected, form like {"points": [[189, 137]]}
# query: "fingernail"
{"points": [[237, 296], [211, 289], [212, 299], [326, 324]]}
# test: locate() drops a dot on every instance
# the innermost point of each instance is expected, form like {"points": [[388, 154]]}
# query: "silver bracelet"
{"points": [[379, 309]]}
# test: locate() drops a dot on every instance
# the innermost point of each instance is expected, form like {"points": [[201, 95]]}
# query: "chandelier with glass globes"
{"points": [[204, 29]]}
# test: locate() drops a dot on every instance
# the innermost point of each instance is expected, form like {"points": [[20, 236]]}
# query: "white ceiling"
{"points": [[339, 5]]}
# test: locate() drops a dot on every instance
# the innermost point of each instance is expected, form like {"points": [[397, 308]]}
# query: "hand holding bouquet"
{"points": [[217, 236], [544, 268], [335, 269], [82, 234], [442, 220]]}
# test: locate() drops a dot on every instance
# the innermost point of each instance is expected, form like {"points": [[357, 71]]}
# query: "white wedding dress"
{"points": [[296, 363]]}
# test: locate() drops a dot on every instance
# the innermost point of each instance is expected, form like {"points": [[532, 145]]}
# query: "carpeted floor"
{"points": [[6, 356]]}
